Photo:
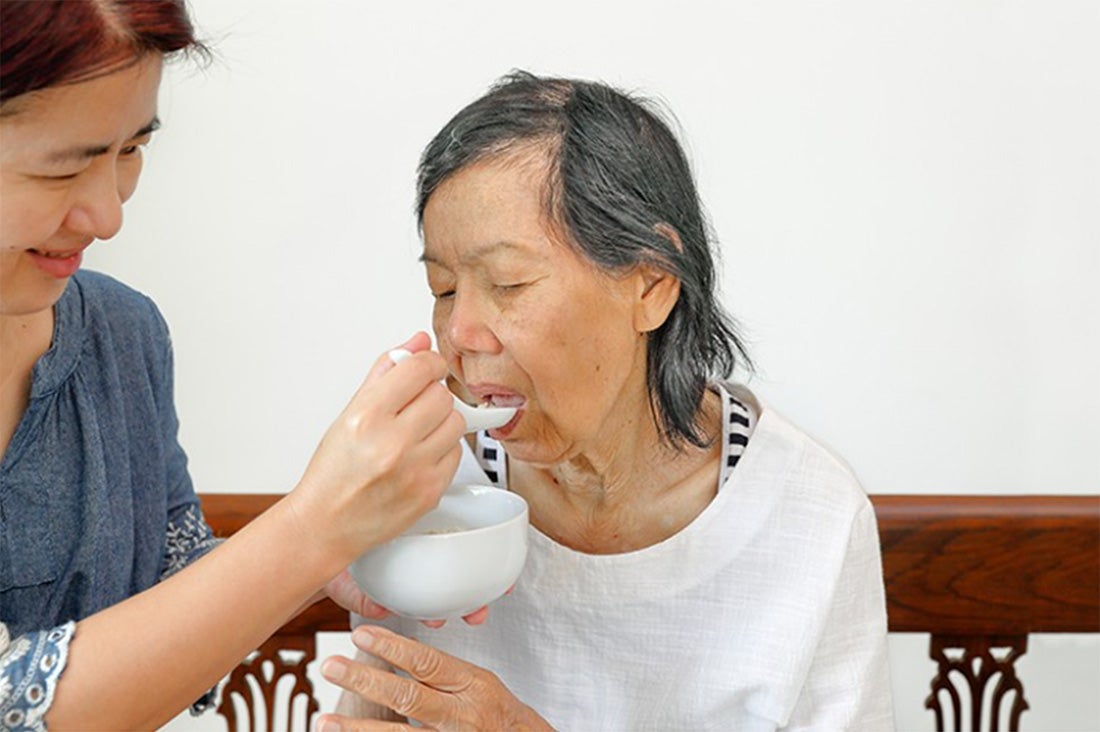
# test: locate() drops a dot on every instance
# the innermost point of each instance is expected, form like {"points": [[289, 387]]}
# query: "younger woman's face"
{"points": [[70, 156]]}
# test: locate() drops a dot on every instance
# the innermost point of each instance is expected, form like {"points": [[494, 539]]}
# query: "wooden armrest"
{"points": [[978, 573]]}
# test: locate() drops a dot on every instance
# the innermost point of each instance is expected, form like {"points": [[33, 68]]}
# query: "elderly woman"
{"points": [[696, 560]]}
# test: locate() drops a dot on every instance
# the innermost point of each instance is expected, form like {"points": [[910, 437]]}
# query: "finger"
{"points": [[433, 623], [346, 593], [477, 617], [407, 697], [418, 342], [395, 387], [338, 723], [428, 409], [446, 468], [437, 445], [422, 662]]}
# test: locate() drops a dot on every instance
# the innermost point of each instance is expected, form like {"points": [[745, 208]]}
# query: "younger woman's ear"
{"points": [[657, 291]]}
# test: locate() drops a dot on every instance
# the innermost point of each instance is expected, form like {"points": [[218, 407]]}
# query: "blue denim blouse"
{"points": [[96, 503]]}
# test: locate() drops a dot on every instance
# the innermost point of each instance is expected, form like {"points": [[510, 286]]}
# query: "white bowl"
{"points": [[461, 555]]}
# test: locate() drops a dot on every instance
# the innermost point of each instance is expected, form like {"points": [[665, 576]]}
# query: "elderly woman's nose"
{"points": [[97, 207], [467, 328]]}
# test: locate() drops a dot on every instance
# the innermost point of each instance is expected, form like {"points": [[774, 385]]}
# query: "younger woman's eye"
{"points": [[135, 146], [68, 176]]}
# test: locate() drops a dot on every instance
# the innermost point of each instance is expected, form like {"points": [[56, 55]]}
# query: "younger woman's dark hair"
{"points": [[620, 189], [45, 43]]}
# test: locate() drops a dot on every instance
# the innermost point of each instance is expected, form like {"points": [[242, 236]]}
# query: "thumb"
{"points": [[420, 341]]}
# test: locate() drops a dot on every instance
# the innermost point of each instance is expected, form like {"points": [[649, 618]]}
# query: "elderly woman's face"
{"points": [[523, 320]]}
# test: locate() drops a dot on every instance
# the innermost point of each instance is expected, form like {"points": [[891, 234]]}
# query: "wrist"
{"points": [[309, 529]]}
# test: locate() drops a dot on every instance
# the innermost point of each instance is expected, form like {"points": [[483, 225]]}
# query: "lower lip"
{"points": [[59, 267], [502, 432]]}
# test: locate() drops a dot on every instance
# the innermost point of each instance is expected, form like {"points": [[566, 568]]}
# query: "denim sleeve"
{"points": [[188, 536], [30, 667]]}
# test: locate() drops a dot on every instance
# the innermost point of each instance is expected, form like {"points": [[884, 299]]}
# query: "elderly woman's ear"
{"points": [[657, 290]]}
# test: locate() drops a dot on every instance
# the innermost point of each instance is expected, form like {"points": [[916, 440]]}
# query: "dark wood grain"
{"points": [[997, 565]]}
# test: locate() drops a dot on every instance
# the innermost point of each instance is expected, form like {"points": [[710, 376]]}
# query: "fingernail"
{"points": [[333, 670], [363, 638], [329, 725], [375, 611]]}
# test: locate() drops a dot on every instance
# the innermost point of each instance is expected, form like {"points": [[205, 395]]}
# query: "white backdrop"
{"points": [[906, 196]]}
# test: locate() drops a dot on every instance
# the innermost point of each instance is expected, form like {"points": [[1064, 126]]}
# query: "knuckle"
{"points": [[407, 698], [455, 426], [353, 420], [386, 462], [487, 679], [428, 498], [441, 399], [430, 366], [437, 364], [451, 461], [360, 680], [426, 665]]}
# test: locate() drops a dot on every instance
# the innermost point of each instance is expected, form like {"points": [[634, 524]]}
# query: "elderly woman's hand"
{"points": [[444, 692]]}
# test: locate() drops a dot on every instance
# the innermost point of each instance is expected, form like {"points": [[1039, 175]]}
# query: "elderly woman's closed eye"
{"points": [[695, 560]]}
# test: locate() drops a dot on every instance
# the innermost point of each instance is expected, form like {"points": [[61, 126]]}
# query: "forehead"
{"points": [[101, 110], [498, 200]]}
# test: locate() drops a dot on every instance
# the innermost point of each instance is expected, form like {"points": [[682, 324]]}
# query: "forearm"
{"points": [[383, 463], [137, 664]]}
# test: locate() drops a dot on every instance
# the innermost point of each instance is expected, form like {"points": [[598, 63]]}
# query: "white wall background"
{"points": [[906, 194]]}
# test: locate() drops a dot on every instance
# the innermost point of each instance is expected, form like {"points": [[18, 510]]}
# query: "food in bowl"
{"points": [[461, 555]]}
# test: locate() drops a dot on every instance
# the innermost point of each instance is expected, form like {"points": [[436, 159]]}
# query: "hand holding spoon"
{"points": [[477, 418]]}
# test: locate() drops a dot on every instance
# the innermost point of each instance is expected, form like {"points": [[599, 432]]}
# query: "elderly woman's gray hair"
{"points": [[618, 186]]}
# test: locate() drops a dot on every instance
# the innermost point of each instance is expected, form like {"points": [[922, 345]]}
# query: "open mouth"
{"points": [[501, 400]]}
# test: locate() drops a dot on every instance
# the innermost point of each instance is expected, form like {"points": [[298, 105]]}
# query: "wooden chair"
{"points": [[977, 573]]}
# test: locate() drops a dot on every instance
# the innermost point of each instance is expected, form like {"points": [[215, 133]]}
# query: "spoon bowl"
{"points": [[477, 418]]}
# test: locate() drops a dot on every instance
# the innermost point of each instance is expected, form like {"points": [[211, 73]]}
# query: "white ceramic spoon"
{"points": [[477, 418]]}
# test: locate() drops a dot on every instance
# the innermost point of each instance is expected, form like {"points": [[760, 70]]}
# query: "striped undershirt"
{"points": [[737, 423]]}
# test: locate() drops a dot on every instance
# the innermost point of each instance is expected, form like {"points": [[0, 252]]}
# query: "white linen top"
{"points": [[766, 612]]}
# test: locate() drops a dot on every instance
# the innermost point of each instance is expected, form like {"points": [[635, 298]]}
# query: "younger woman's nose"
{"points": [[97, 207]]}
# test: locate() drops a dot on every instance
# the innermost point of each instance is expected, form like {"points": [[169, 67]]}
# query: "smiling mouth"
{"points": [[56, 255]]}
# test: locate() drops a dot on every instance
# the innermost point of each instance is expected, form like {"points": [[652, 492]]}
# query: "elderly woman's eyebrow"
{"points": [[481, 252], [83, 152]]}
